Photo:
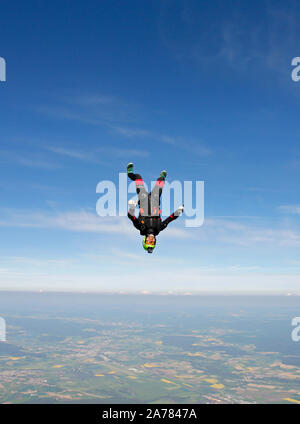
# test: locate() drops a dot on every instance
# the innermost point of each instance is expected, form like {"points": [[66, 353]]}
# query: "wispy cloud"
{"points": [[291, 209], [93, 99], [194, 146], [72, 153], [194, 280], [234, 38], [132, 132], [77, 221], [34, 160], [121, 152], [116, 121], [229, 232], [96, 109], [97, 155], [237, 233], [33, 262]]}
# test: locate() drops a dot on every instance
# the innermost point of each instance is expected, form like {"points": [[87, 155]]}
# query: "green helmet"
{"points": [[148, 247]]}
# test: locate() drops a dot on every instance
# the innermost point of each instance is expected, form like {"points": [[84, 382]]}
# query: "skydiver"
{"points": [[149, 221]]}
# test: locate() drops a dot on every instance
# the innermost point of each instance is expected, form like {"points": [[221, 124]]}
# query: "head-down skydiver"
{"points": [[149, 221]]}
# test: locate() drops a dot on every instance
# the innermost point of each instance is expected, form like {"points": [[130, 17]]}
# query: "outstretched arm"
{"points": [[171, 218], [131, 216]]}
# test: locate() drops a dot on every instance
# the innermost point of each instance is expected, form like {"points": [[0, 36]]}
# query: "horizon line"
{"points": [[155, 293]]}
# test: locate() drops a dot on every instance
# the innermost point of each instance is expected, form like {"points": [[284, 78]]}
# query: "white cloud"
{"points": [[77, 221], [34, 262], [159, 280], [161, 273], [214, 231], [292, 209], [237, 233]]}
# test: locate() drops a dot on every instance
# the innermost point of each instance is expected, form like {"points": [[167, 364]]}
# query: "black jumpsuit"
{"points": [[149, 220]]}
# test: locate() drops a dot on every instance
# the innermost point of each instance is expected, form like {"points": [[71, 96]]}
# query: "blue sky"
{"points": [[202, 89]]}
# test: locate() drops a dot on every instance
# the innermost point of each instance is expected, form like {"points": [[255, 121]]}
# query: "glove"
{"points": [[179, 210], [132, 204]]}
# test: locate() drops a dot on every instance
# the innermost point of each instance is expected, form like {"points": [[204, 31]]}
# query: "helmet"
{"points": [[148, 247]]}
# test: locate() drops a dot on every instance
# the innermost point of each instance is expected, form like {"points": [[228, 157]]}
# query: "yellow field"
{"points": [[167, 381], [292, 400]]}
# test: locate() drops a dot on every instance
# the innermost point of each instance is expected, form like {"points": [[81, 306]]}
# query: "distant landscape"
{"points": [[96, 348]]}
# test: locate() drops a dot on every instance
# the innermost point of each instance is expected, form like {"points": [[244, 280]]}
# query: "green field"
{"points": [[175, 357]]}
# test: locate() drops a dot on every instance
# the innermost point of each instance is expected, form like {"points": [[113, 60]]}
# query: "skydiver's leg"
{"points": [[156, 194], [134, 176], [141, 192]]}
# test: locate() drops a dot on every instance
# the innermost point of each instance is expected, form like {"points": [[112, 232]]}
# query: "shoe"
{"points": [[130, 168], [163, 174]]}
